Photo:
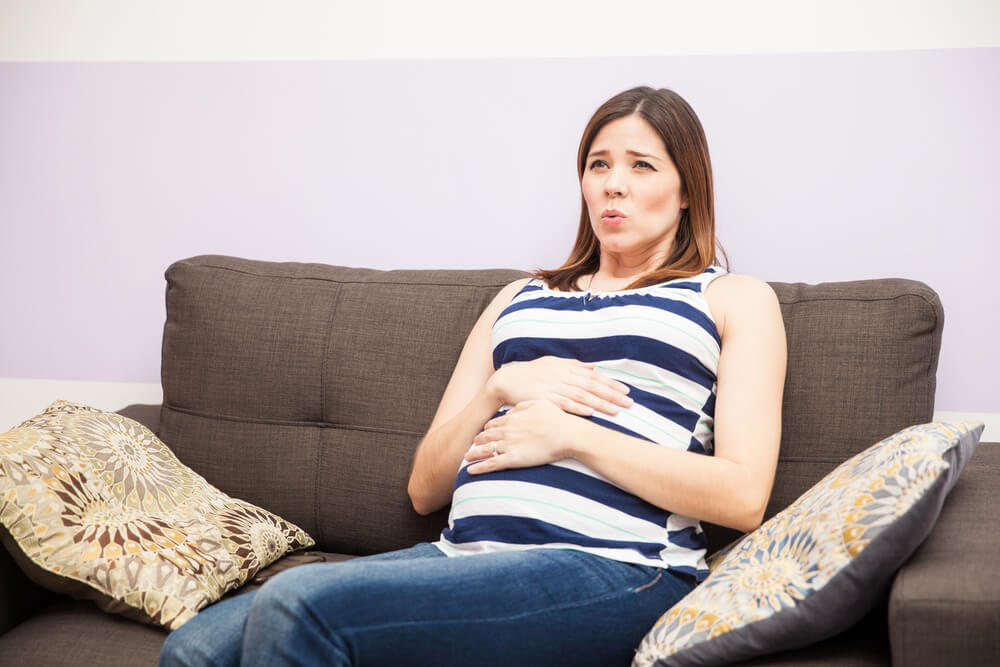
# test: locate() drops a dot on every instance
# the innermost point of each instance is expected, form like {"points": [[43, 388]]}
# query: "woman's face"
{"points": [[633, 190]]}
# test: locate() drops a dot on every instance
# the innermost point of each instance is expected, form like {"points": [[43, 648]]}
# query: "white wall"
{"points": [[239, 30], [95, 199]]}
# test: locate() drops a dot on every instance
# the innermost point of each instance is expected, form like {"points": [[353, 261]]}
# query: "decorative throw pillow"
{"points": [[94, 505], [818, 566]]}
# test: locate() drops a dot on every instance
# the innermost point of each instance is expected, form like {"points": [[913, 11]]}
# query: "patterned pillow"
{"points": [[819, 565], [94, 505]]}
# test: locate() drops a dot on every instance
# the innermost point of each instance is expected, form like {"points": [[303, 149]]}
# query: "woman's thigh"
{"points": [[214, 636], [542, 606]]}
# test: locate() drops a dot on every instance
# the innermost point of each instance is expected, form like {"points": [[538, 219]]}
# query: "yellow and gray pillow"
{"points": [[818, 566], [93, 504]]}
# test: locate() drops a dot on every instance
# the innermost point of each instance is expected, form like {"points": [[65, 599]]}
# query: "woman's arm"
{"points": [[466, 404], [730, 488], [475, 392]]}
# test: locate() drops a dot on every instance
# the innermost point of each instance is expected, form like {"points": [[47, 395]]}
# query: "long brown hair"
{"points": [[694, 245]]}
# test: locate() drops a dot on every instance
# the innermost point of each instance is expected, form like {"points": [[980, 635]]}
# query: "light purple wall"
{"points": [[828, 167]]}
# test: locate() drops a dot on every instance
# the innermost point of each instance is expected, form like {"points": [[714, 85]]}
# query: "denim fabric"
{"points": [[419, 607]]}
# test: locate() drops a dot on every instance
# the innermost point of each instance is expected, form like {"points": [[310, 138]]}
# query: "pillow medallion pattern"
{"points": [[94, 505], [822, 563]]}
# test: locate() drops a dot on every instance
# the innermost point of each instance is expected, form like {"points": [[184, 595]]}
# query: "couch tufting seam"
{"points": [[812, 299], [324, 417], [289, 422]]}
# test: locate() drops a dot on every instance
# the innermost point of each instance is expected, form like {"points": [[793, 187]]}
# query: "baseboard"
{"points": [[23, 398], [991, 419]]}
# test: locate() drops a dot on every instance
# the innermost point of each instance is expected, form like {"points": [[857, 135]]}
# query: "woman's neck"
{"points": [[616, 273]]}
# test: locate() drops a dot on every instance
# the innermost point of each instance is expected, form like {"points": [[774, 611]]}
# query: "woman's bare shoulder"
{"points": [[518, 284], [739, 296], [504, 297], [738, 285]]}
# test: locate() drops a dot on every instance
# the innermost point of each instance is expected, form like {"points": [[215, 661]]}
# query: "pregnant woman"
{"points": [[598, 412]]}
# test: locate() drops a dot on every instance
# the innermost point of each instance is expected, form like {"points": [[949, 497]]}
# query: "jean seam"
{"points": [[655, 581], [493, 619]]}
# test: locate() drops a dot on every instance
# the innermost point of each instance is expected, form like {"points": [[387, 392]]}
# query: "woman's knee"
{"points": [[186, 649], [282, 604], [213, 637]]}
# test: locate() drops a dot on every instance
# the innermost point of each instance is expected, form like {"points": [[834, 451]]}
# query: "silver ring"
{"points": [[495, 452]]}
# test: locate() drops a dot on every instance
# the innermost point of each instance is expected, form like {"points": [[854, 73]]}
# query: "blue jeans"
{"points": [[420, 607]]}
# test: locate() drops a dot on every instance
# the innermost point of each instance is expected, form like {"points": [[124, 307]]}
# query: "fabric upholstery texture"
{"points": [[343, 367], [371, 352], [94, 505], [823, 562], [953, 619], [334, 373], [862, 364]]}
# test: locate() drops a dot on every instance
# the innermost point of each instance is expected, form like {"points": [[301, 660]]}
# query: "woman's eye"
{"points": [[644, 164], [598, 163]]}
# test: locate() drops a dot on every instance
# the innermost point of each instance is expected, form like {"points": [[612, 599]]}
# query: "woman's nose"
{"points": [[615, 184]]}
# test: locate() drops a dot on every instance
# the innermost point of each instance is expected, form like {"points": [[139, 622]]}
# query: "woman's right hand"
{"points": [[576, 387]]}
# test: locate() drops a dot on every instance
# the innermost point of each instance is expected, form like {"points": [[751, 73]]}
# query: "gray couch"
{"points": [[305, 388]]}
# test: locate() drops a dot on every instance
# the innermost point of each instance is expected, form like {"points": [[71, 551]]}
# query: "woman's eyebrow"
{"points": [[629, 152]]}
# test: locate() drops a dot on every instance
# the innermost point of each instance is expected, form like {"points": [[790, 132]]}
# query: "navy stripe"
{"points": [[599, 302], [618, 427], [665, 407], [709, 407], [699, 575], [670, 349], [689, 538], [521, 530], [572, 481], [635, 348], [696, 446], [694, 287]]}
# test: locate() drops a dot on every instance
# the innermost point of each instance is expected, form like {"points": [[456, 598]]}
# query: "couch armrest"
{"points": [[944, 607], [145, 414]]}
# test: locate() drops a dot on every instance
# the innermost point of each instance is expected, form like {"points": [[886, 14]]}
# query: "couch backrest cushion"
{"points": [[862, 364], [304, 388]]}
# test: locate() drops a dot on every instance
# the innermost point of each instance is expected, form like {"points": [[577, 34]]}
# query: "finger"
{"points": [[479, 468], [479, 452], [601, 378], [592, 400], [613, 392], [487, 436], [485, 465], [496, 422], [573, 407], [602, 387]]}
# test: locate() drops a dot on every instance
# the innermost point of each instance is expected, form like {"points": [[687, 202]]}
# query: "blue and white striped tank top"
{"points": [[661, 341]]}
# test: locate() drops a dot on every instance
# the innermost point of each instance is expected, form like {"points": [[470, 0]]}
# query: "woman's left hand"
{"points": [[532, 433]]}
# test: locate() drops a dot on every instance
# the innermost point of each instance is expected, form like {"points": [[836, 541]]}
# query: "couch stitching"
{"points": [[938, 325], [280, 422], [339, 281], [325, 361]]}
